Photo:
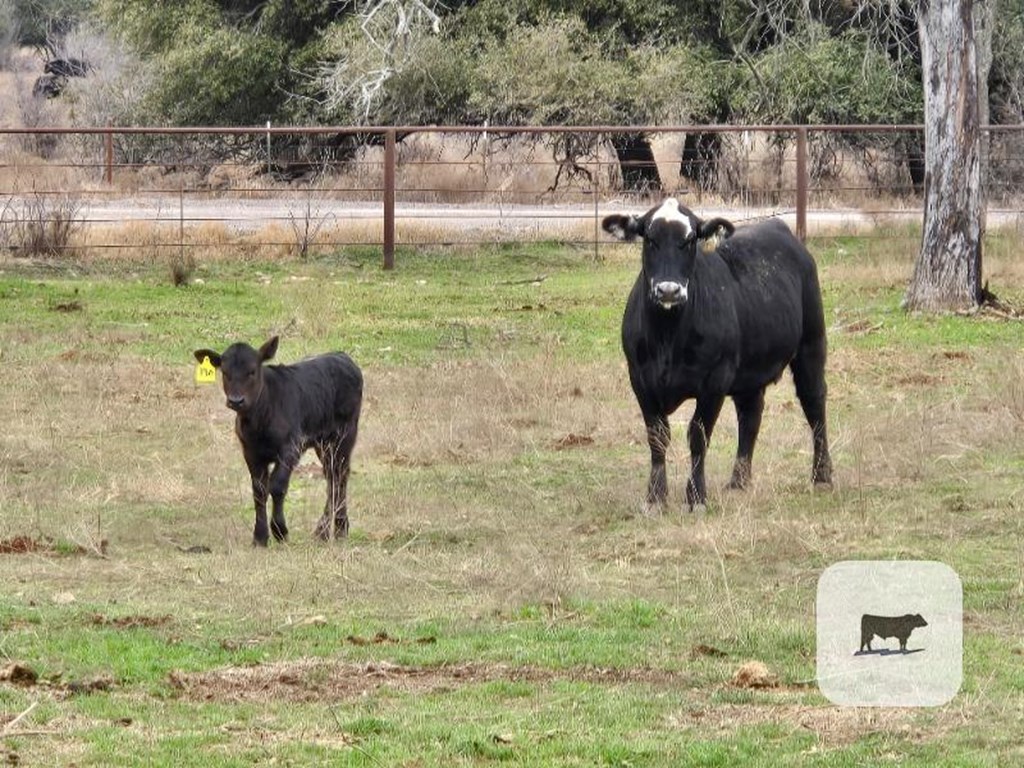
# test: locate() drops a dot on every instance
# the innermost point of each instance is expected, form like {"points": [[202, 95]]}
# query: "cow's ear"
{"points": [[717, 228], [268, 350], [623, 227], [207, 354], [712, 232]]}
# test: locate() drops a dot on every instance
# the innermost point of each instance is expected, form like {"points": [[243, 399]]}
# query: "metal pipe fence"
{"points": [[318, 189]]}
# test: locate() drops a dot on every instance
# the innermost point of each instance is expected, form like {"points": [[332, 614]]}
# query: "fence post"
{"points": [[268, 148], [389, 199], [801, 183], [108, 164]]}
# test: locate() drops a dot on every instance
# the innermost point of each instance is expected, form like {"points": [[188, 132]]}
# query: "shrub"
{"points": [[40, 225]]}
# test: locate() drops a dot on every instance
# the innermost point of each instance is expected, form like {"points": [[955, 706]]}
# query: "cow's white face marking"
{"points": [[669, 211]]}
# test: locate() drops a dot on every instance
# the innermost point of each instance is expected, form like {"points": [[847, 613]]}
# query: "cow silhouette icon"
{"points": [[885, 627]]}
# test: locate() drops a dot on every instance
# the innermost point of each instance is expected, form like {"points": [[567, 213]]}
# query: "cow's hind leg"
{"points": [[701, 426], [335, 456], [749, 407], [808, 369], [659, 436], [325, 453]]}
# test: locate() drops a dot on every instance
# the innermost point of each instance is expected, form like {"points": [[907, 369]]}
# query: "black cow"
{"points": [[899, 627], [69, 67], [49, 86], [712, 316], [283, 410]]}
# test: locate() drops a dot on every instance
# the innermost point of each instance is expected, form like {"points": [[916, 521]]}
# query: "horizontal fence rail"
{"points": [[307, 190]]}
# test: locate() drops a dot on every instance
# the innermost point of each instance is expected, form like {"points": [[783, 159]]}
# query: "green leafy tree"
{"points": [[155, 28], [223, 62], [220, 77], [817, 77]]}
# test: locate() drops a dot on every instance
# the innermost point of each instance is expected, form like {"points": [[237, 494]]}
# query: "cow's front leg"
{"points": [[279, 480], [659, 435], [701, 426], [260, 475]]}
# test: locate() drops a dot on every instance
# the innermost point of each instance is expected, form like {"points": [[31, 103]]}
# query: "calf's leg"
{"points": [[337, 497], [699, 434], [336, 457], [279, 480], [749, 407], [260, 476], [808, 369]]}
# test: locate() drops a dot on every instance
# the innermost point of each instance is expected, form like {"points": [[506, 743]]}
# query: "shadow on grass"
{"points": [[889, 652]]}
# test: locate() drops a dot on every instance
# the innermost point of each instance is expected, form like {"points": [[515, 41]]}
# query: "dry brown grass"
{"points": [[447, 497]]}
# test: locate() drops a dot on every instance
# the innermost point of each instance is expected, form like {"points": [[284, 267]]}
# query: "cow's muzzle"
{"points": [[236, 403], [669, 293]]}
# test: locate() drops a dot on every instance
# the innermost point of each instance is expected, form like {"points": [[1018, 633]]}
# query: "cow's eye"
{"points": [[252, 374]]}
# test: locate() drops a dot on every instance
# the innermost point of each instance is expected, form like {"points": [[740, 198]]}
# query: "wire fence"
{"points": [[277, 190]]}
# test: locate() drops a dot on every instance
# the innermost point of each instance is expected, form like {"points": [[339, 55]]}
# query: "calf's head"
{"points": [[241, 369], [672, 235]]}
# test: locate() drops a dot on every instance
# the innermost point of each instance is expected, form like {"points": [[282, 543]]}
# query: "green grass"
{"points": [[524, 611]]}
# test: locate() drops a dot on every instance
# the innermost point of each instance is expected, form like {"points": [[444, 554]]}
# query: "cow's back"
{"points": [[776, 296]]}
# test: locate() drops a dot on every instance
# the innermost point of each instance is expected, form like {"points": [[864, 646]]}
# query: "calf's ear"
{"points": [[201, 354], [268, 350], [623, 227]]}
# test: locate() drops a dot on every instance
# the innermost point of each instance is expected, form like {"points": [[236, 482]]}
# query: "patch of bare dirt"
{"points": [[754, 674], [92, 685], [318, 680], [131, 622], [25, 676], [19, 545], [917, 379], [74, 305], [24, 545], [572, 440], [19, 674], [383, 638], [702, 649]]}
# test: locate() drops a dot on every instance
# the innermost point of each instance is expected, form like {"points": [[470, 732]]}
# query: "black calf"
{"points": [[283, 410]]}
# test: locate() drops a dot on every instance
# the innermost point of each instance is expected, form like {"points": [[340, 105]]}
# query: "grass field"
{"points": [[501, 597]]}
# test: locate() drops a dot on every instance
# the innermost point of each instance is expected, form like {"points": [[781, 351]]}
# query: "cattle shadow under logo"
{"points": [[885, 627]]}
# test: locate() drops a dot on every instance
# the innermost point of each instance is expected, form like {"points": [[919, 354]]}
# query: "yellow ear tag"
{"points": [[710, 244], [205, 372]]}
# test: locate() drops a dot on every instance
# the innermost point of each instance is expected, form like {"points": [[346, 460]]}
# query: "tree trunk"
{"points": [[699, 162], [636, 159], [955, 45]]}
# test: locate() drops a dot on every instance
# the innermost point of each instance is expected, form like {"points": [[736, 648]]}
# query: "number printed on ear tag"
{"points": [[205, 372]]}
